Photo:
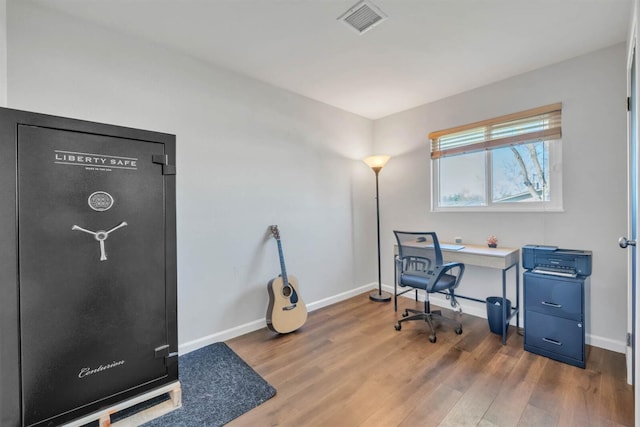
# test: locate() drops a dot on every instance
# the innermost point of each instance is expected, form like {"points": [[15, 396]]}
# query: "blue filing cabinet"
{"points": [[554, 317]]}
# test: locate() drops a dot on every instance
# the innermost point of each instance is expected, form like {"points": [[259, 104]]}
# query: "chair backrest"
{"points": [[419, 243]]}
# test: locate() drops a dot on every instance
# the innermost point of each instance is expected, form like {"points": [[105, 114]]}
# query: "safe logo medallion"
{"points": [[100, 201]]}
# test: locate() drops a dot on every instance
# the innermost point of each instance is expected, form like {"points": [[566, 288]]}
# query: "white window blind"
{"points": [[538, 124]]}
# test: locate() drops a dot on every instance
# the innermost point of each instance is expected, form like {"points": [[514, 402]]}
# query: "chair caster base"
{"points": [[459, 330], [398, 326], [432, 338]]}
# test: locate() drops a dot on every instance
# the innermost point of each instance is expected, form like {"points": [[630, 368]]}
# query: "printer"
{"points": [[557, 262]]}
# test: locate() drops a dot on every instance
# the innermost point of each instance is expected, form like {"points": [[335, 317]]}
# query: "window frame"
{"points": [[555, 204]]}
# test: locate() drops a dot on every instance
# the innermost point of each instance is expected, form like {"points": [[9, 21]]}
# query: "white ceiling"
{"points": [[426, 50]]}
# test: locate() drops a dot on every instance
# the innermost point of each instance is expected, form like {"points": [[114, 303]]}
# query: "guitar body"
{"points": [[283, 315], [286, 311]]}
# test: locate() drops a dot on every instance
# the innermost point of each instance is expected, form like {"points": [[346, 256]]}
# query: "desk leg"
{"points": [[395, 284], [505, 318], [517, 298], [516, 308]]}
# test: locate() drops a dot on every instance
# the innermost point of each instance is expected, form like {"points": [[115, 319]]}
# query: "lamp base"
{"points": [[380, 296]]}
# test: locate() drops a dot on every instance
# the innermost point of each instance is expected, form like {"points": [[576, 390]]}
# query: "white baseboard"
{"points": [[190, 346], [340, 297], [469, 307], [607, 343], [479, 310]]}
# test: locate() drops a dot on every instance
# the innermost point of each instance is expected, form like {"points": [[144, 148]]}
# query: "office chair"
{"points": [[419, 266]]}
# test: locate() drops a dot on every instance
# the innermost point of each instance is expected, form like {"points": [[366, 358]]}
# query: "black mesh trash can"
{"points": [[494, 314]]}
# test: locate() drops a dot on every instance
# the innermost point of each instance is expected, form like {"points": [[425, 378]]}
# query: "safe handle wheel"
{"points": [[100, 236]]}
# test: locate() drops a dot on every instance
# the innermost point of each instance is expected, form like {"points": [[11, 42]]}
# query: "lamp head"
{"points": [[376, 162]]}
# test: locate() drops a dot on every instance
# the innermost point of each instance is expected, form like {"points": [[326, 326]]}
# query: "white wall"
{"points": [[592, 90], [3, 53], [248, 155]]}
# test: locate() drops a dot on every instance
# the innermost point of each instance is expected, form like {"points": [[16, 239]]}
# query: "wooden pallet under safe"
{"points": [[104, 416]]}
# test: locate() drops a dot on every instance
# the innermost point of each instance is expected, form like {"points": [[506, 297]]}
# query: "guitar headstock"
{"points": [[275, 232]]}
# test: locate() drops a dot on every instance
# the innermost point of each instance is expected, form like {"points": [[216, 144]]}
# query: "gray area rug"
{"points": [[217, 386]]}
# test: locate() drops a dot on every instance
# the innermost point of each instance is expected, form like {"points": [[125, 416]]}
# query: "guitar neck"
{"points": [[283, 270]]}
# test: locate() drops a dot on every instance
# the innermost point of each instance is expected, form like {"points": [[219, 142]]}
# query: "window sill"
{"points": [[493, 209]]}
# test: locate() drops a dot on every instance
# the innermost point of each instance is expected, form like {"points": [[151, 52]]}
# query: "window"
{"points": [[510, 163]]}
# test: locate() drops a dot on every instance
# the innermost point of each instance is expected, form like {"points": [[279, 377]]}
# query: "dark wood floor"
{"points": [[348, 366]]}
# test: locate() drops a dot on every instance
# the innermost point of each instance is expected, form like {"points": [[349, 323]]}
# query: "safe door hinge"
{"points": [[629, 339], [163, 159], [163, 352], [628, 103]]}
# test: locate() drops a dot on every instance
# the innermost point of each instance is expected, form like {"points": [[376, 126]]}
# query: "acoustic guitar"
{"points": [[286, 311]]}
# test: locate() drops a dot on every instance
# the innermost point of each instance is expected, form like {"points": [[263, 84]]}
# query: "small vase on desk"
{"points": [[492, 245], [492, 241]]}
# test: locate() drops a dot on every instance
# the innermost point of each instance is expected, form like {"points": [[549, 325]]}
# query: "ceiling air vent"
{"points": [[363, 16]]}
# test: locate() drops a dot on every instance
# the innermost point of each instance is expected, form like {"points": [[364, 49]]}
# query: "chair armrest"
{"points": [[448, 266], [439, 270]]}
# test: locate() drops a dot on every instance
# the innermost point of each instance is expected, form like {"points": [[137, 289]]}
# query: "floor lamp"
{"points": [[377, 163]]}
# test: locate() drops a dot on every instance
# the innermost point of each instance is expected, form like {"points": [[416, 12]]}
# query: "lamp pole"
{"points": [[377, 163]]}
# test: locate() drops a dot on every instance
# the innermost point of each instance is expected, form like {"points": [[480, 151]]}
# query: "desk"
{"points": [[484, 256]]}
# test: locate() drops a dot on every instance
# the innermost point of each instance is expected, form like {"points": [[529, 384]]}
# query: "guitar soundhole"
{"points": [[286, 291]]}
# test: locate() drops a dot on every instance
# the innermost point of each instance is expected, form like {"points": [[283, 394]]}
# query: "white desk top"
{"points": [[478, 255]]}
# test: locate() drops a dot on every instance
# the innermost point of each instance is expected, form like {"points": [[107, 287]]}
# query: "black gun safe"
{"points": [[88, 307]]}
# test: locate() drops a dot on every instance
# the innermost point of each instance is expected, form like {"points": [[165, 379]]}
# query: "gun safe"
{"points": [[88, 314]]}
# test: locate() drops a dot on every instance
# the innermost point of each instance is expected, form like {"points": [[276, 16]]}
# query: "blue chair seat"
{"points": [[446, 281]]}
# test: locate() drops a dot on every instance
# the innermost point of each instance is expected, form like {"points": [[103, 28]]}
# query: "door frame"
{"points": [[633, 298], [630, 198]]}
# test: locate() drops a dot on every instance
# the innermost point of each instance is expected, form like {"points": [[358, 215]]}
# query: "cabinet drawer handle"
{"points": [[549, 340], [550, 304]]}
